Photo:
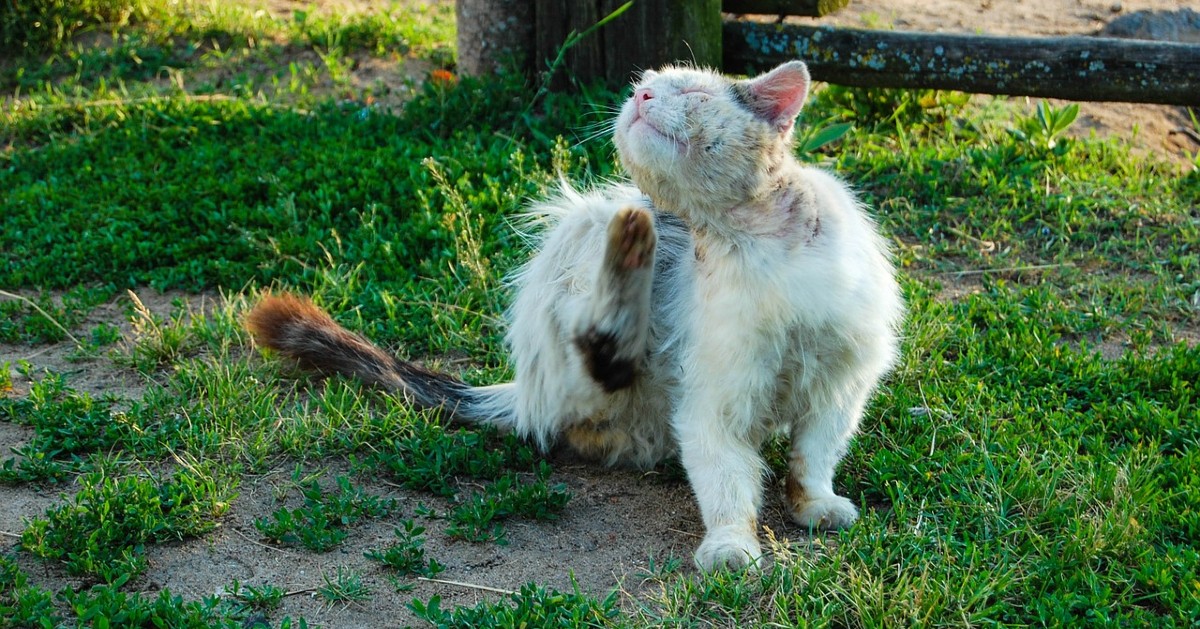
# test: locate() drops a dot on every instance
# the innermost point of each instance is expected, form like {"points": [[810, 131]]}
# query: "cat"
{"points": [[729, 294]]}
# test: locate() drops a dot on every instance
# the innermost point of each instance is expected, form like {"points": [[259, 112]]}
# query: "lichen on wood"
{"points": [[1075, 68]]}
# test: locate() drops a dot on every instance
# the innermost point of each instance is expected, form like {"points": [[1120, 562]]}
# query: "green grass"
{"points": [[1031, 462]]}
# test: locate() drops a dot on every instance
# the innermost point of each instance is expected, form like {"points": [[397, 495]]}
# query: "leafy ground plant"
{"points": [[531, 607], [102, 529], [406, 555], [320, 524], [479, 517]]}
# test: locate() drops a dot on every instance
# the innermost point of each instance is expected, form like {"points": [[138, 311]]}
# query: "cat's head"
{"points": [[688, 136]]}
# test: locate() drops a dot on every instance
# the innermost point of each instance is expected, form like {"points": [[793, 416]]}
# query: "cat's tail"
{"points": [[296, 328]]}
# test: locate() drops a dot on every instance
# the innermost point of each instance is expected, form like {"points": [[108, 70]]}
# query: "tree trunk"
{"points": [[494, 36], [528, 34]]}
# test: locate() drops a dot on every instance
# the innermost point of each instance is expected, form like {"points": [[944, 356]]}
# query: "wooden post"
{"points": [[1073, 68]]}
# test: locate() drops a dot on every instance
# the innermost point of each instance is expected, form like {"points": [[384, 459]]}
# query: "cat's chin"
{"points": [[649, 144]]}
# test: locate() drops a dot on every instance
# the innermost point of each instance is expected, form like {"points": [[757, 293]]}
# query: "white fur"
{"points": [[773, 308]]}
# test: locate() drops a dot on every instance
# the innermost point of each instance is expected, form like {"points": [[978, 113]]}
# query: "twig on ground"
{"points": [[256, 542], [1191, 133], [466, 585], [7, 534], [29, 302], [1010, 269]]}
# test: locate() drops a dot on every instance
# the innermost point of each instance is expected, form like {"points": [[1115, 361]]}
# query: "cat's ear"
{"points": [[779, 94]]}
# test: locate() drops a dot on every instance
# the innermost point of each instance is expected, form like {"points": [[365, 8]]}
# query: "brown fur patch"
{"points": [[797, 496], [298, 329], [594, 442], [599, 351], [269, 320]]}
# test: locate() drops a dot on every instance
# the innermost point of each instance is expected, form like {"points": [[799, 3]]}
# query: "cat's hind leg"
{"points": [[612, 331], [579, 324]]}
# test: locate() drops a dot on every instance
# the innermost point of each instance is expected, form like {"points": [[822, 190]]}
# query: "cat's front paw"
{"points": [[832, 512], [728, 547]]}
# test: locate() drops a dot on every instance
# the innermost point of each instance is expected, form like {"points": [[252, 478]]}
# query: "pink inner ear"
{"points": [[781, 92]]}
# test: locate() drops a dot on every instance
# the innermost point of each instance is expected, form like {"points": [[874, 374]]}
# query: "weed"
{"points": [[102, 529], [108, 606], [262, 598], [41, 319], [478, 518], [432, 458], [6, 382], [43, 25], [407, 555], [20, 603], [343, 586], [884, 109], [70, 428], [656, 570], [1042, 130], [156, 342], [321, 523], [813, 137]]}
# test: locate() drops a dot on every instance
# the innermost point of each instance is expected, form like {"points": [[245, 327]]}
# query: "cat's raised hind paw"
{"points": [[729, 548], [631, 239], [832, 512]]}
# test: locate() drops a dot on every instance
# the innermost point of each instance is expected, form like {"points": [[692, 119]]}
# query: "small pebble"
{"points": [[1116, 7]]}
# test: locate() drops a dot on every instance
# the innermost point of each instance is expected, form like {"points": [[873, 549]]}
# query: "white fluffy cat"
{"points": [[727, 295]]}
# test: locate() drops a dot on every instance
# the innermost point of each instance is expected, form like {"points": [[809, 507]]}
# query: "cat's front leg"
{"points": [[613, 329], [725, 472], [819, 440]]}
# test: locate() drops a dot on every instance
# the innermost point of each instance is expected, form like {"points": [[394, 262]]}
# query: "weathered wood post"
{"points": [[1075, 68], [648, 34]]}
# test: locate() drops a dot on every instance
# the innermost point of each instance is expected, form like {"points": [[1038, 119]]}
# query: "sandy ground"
{"points": [[618, 520]]}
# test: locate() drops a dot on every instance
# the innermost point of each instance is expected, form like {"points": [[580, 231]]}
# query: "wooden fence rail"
{"points": [[1074, 68], [810, 8]]}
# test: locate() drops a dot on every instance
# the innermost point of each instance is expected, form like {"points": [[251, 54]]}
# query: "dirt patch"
{"points": [[94, 373], [591, 546]]}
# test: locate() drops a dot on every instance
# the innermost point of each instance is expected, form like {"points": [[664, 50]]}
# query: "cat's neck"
{"points": [[778, 207]]}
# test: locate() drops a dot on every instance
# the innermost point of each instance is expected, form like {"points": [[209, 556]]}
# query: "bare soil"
{"points": [[618, 521]]}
